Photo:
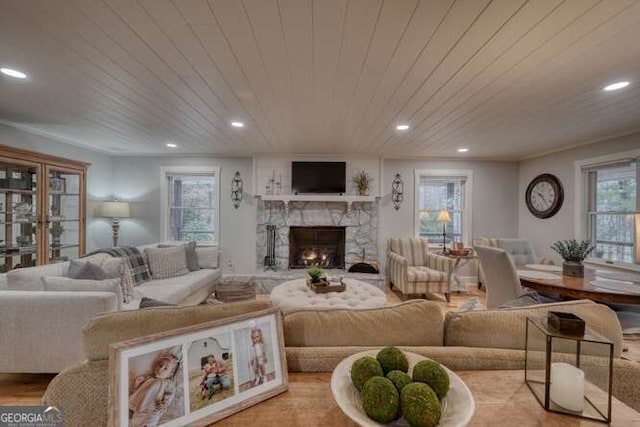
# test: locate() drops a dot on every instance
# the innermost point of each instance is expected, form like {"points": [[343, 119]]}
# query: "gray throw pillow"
{"points": [[192, 256], [150, 302], [84, 270], [167, 262]]}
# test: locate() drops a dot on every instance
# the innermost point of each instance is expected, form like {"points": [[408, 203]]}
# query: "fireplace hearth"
{"points": [[316, 246]]}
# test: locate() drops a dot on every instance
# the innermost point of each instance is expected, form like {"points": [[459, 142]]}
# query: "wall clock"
{"points": [[544, 195]]}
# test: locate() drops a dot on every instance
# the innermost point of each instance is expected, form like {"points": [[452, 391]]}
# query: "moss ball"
{"points": [[420, 405], [380, 400], [399, 379], [431, 373], [392, 359], [363, 369]]}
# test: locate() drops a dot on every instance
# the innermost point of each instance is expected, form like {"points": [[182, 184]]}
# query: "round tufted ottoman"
{"points": [[296, 293]]}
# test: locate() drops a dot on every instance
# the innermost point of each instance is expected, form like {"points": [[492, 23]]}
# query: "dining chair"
{"points": [[502, 281]]}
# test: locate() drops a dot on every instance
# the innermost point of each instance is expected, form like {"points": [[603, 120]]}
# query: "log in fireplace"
{"points": [[320, 246]]}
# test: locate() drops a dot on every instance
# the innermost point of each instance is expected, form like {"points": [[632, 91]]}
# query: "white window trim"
{"points": [[467, 202], [581, 197], [164, 199]]}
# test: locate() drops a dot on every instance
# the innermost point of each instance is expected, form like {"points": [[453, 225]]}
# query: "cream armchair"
{"points": [[413, 270]]}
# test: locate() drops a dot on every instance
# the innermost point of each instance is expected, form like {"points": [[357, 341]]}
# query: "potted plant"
{"points": [[315, 275], [56, 231], [573, 253], [362, 181]]}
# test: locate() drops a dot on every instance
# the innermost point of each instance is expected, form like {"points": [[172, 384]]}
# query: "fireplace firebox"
{"points": [[319, 246]]}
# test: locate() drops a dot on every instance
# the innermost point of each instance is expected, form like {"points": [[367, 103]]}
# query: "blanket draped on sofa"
{"points": [[133, 258]]}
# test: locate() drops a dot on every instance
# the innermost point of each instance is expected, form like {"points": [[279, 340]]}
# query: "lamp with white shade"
{"points": [[115, 210], [445, 219]]}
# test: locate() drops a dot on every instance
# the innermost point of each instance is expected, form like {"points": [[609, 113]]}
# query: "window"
{"points": [[191, 205], [612, 200], [438, 190]]}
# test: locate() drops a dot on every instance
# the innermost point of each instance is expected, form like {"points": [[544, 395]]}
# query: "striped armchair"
{"points": [[413, 270]]}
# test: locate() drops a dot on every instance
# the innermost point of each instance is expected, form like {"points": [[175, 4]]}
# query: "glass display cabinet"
{"points": [[42, 208]]}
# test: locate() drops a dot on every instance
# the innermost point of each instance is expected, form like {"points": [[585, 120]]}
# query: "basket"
{"points": [[324, 287]]}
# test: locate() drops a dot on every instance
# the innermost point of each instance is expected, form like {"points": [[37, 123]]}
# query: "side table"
{"points": [[461, 261]]}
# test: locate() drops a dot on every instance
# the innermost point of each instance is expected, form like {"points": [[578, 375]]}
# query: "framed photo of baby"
{"points": [[198, 374]]}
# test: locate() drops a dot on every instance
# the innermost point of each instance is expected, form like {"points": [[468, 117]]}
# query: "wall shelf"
{"points": [[286, 199]]}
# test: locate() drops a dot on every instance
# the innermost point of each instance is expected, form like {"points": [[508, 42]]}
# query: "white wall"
{"points": [[543, 232], [98, 174], [494, 197], [138, 180]]}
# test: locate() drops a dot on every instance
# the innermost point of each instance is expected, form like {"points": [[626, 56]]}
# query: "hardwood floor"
{"points": [[27, 389]]}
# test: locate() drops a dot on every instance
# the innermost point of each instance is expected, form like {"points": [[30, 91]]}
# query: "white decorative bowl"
{"points": [[457, 407]]}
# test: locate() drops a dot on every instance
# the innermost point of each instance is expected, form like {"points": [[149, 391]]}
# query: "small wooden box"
{"points": [[323, 287], [566, 323]]}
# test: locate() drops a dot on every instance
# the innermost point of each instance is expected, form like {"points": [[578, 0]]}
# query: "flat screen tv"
{"points": [[318, 177]]}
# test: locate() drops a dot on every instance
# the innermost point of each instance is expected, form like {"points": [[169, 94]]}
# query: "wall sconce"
{"points": [[397, 190], [236, 190]]}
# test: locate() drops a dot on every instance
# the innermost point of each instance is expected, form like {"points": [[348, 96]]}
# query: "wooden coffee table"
{"points": [[502, 399]]}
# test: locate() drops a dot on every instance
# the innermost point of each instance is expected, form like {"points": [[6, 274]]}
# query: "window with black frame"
{"points": [[612, 210], [192, 207]]}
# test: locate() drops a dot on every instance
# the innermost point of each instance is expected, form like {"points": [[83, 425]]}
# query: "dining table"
{"points": [[598, 284]]}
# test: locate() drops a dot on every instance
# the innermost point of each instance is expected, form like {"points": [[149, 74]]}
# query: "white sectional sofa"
{"points": [[41, 331]]}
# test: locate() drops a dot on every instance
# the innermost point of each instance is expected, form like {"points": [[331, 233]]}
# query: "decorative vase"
{"points": [[573, 269], [55, 240]]}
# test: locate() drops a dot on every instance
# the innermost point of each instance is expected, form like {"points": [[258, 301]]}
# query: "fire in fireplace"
{"points": [[319, 246]]}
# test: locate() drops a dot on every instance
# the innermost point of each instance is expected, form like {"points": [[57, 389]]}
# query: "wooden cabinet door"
{"points": [[65, 205]]}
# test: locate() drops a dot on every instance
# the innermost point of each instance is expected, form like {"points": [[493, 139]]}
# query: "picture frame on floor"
{"points": [[198, 374]]}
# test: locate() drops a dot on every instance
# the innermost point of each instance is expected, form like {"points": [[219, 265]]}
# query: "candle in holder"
{"points": [[567, 386]]}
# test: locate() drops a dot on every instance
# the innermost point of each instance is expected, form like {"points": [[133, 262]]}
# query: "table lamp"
{"points": [[445, 219], [115, 210]]}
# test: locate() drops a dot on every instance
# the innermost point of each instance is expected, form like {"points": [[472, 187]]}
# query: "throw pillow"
{"points": [[192, 257], [85, 270], [207, 256], [66, 284], [114, 267], [150, 302], [167, 262]]}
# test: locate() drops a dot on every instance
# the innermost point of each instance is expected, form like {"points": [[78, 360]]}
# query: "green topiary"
{"points": [[420, 405], [363, 369], [392, 359], [399, 379], [572, 250], [380, 400], [431, 373]]}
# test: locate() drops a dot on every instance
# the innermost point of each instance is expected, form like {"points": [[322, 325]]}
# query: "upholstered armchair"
{"points": [[413, 270]]}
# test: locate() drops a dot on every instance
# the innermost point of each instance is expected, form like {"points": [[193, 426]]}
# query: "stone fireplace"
{"points": [[318, 245], [358, 225]]}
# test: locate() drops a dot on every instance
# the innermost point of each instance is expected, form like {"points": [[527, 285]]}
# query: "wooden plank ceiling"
{"points": [[506, 78]]}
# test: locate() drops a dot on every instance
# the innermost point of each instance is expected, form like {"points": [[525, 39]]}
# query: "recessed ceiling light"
{"points": [[462, 150], [237, 124], [171, 145], [616, 86], [13, 73], [402, 127]]}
